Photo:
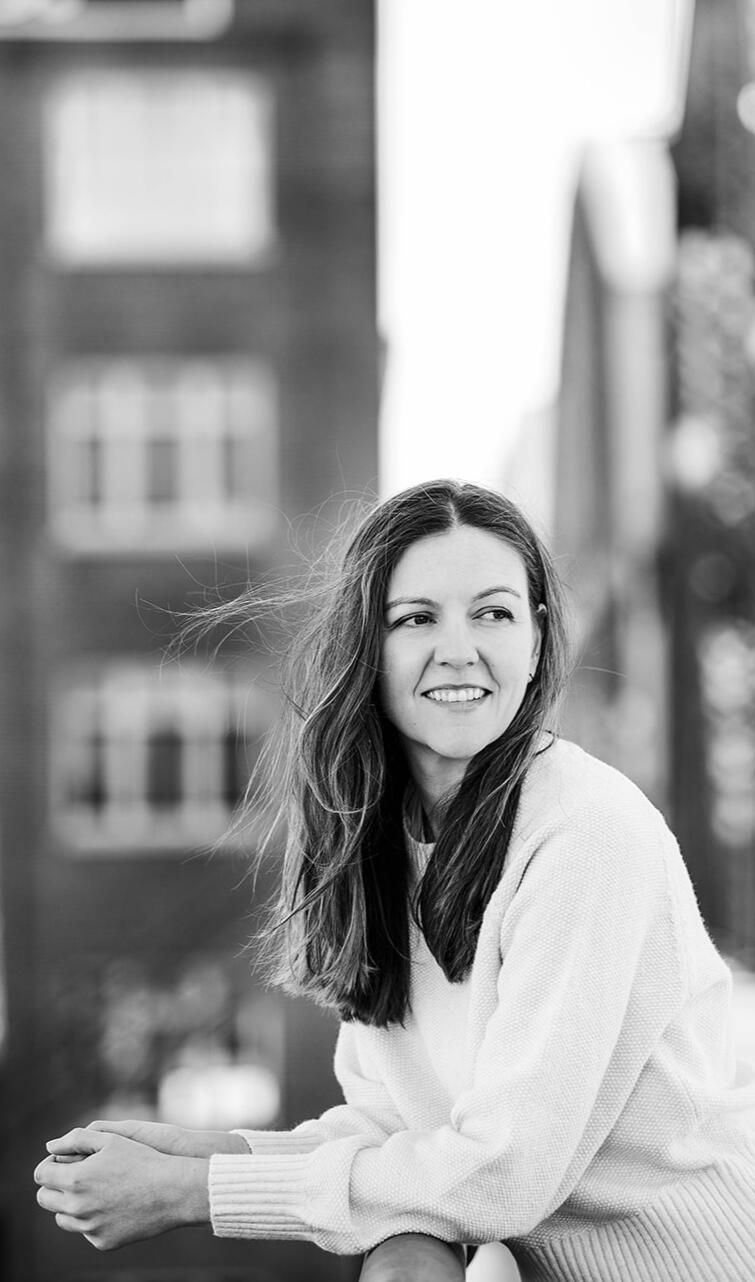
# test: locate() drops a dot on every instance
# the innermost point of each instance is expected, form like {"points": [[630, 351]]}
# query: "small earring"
{"points": [[529, 678]]}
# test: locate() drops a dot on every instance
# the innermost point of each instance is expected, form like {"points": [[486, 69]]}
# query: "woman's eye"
{"points": [[497, 613], [413, 620]]}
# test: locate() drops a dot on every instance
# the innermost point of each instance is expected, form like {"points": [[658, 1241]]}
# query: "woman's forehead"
{"points": [[462, 557]]}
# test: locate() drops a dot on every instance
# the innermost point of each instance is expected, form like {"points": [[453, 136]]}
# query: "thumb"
{"points": [[79, 1140]]}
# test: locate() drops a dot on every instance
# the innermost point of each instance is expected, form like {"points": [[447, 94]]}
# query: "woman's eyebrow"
{"points": [[410, 600], [424, 600], [492, 591]]}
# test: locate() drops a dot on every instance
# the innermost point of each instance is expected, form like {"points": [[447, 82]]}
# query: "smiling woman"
{"points": [[535, 1044], [456, 663]]}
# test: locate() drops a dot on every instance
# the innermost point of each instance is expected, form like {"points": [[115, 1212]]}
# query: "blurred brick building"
{"points": [[611, 418], [712, 534], [187, 362], [654, 468]]}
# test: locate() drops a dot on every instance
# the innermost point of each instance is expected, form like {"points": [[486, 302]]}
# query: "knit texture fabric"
{"points": [[577, 1097]]}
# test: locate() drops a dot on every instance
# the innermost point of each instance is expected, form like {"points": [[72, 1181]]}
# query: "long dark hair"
{"points": [[339, 931]]}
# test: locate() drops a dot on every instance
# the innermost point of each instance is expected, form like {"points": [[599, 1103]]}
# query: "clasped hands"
{"points": [[120, 1182]]}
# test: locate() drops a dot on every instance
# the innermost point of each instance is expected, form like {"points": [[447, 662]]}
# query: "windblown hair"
{"points": [[339, 932]]}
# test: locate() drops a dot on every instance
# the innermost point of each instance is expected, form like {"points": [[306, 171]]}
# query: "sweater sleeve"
{"points": [[589, 978], [368, 1110]]}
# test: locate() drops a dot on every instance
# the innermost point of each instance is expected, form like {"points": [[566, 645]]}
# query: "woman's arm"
{"points": [[368, 1111], [590, 977], [102, 1197], [176, 1141]]}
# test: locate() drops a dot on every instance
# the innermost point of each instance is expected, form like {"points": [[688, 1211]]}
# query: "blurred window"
{"points": [[153, 760], [161, 454], [179, 1039], [146, 165]]}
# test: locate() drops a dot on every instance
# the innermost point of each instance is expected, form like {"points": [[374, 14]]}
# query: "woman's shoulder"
{"points": [[581, 821], [564, 782]]}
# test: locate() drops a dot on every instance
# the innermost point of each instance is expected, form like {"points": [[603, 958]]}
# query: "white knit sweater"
{"points": [[577, 1097]]}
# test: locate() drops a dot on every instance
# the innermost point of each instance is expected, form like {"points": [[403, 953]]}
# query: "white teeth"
{"points": [[463, 695]]}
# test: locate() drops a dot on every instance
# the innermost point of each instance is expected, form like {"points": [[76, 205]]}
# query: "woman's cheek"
{"points": [[397, 693], [385, 688]]}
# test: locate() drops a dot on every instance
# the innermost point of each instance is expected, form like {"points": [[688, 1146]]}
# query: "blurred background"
{"points": [[260, 259]]}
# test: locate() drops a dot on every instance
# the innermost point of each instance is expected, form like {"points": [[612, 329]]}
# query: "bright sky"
{"points": [[482, 108]]}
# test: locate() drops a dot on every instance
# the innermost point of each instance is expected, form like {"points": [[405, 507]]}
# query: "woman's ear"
{"points": [[537, 644]]}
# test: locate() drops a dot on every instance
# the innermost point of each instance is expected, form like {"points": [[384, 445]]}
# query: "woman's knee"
{"points": [[414, 1257]]}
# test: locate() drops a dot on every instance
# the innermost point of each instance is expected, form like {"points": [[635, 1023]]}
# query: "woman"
{"points": [[535, 1044]]}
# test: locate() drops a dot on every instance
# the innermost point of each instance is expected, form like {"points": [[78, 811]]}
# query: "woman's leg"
{"points": [[414, 1257]]}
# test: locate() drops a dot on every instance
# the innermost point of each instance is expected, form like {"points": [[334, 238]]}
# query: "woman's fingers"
{"points": [[176, 1141], [50, 1199], [157, 1135], [124, 1190], [80, 1140], [59, 1204], [51, 1173], [69, 1223]]}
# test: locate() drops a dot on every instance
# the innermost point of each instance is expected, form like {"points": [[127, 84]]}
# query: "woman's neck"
{"points": [[436, 780], [431, 808]]}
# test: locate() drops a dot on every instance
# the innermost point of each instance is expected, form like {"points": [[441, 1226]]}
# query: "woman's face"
{"points": [[459, 644]]}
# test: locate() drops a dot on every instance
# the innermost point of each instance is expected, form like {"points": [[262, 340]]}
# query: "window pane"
{"points": [[164, 784], [236, 772], [89, 473], [152, 759], [89, 788], [162, 454], [154, 166], [161, 471]]}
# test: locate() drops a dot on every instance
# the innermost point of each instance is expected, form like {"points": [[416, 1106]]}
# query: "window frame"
{"points": [[201, 513], [130, 699], [251, 242]]}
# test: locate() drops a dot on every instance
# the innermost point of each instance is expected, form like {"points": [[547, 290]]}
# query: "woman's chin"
{"points": [[459, 748]]}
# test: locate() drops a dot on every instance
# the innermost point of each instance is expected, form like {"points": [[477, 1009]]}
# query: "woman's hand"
{"points": [[120, 1191], [175, 1140]]}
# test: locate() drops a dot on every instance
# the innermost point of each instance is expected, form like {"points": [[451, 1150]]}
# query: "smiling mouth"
{"points": [[456, 694]]}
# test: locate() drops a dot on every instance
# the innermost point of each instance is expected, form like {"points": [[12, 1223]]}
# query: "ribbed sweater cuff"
{"points": [[258, 1197], [263, 1142]]}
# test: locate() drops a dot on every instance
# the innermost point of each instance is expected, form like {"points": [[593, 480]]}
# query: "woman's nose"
{"points": [[455, 646]]}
